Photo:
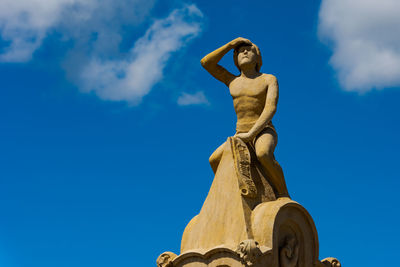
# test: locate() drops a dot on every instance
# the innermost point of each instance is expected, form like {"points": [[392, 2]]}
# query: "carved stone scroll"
{"points": [[331, 262], [249, 252], [289, 253], [165, 259], [242, 162]]}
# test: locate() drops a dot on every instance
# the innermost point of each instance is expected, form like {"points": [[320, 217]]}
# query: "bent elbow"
{"points": [[204, 62], [208, 62]]}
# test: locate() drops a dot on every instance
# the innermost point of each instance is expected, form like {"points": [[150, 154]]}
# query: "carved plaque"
{"points": [[242, 162]]}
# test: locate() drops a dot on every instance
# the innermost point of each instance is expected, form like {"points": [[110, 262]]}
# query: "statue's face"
{"points": [[247, 55]]}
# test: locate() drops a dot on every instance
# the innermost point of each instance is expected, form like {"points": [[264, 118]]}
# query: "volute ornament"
{"points": [[331, 262], [249, 252], [165, 259], [289, 253]]}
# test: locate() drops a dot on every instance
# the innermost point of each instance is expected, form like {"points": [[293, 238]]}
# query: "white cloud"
{"points": [[198, 98], [96, 28], [365, 37], [131, 79], [24, 24]]}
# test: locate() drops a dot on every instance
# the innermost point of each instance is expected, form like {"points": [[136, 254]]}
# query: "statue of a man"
{"points": [[255, 98]]}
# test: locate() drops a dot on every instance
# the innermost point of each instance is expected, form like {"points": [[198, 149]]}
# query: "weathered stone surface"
{"points": [[225, 217], [248, 218], [284, 236], [255, 99]]}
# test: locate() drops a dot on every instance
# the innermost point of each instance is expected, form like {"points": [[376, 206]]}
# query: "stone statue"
{"points": [[248, 218], [255, 99]]}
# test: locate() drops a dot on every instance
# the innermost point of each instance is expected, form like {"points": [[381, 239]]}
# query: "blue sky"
{"points": [[108, 119]]}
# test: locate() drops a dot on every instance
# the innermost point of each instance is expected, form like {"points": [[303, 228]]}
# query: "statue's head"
{"points": [[247, 54]]}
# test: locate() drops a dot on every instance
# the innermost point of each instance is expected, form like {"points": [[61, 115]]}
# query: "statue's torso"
{"points": [[249, 97]]}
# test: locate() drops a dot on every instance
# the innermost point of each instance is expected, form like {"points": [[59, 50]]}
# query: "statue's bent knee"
{"points": [[264, 154], [216, 156]]}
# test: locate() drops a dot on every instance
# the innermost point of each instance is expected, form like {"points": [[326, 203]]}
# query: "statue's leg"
{"points": [[216, 156], [264, 147]]}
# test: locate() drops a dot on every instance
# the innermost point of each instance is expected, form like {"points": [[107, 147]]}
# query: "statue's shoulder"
{"points": [[269, 78]]}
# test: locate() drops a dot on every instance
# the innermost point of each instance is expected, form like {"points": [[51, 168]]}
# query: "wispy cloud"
{"points": [[198, 98], [365, 38], [96, 28], [24, 24], [131, 79]]}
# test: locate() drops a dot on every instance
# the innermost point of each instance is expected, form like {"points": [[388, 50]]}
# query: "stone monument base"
{"points": [[283, 235], [225, 257]]}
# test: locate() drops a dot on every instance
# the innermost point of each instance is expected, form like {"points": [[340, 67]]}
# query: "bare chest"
{"points": [[256, 88]]}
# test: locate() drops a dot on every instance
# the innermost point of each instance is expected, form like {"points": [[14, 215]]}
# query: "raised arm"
{"points": [[210, 61]]}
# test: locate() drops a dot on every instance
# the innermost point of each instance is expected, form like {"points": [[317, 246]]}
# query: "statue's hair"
{"points": [[258, 57]]}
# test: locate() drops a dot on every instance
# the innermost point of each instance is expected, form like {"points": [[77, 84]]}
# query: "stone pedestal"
{"points": [[235, 229]]}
